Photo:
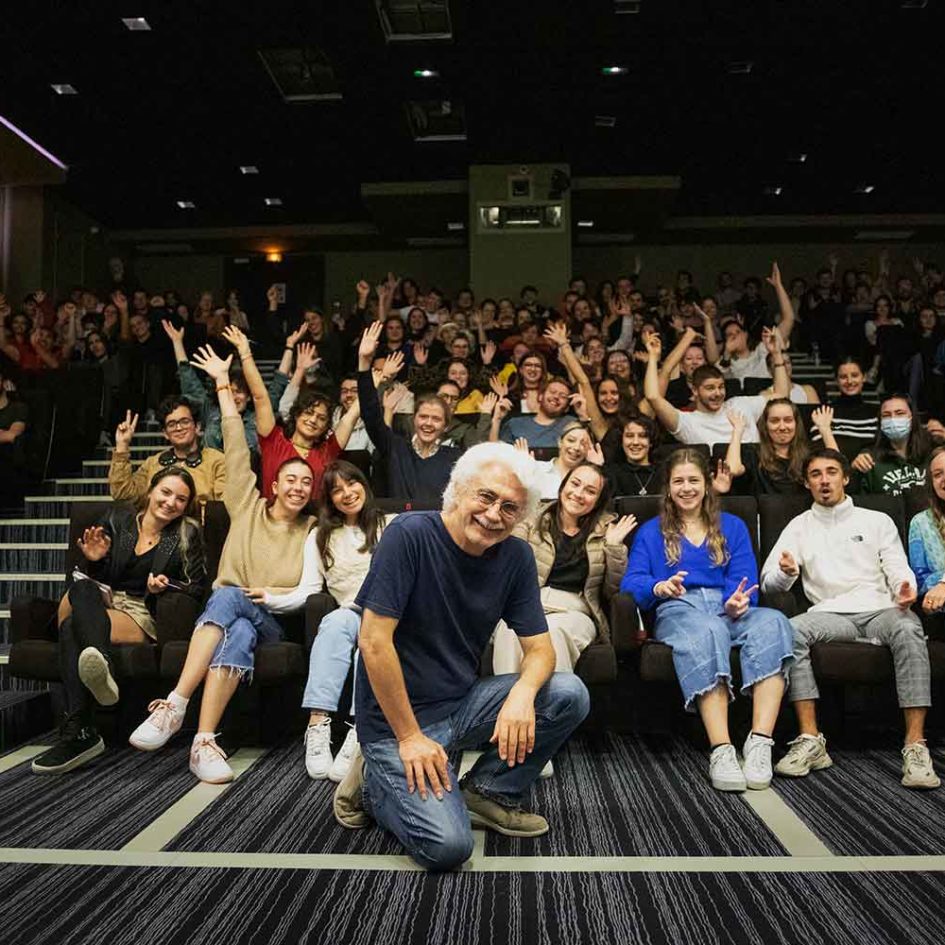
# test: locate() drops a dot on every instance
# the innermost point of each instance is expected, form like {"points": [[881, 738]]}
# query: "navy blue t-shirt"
{"points": [[447, 604]]}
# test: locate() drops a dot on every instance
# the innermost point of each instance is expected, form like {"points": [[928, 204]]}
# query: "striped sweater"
{"points": [[855, 425]]}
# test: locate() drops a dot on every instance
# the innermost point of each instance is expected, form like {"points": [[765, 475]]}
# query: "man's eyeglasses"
{"points": [[486, 500], [172, 425]]}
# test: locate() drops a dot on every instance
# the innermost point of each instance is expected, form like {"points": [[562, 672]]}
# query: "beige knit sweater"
{"points": [[259, 551]]}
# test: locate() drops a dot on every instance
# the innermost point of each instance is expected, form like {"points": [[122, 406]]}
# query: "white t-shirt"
{"points": [[701, 426], [754, 364]]}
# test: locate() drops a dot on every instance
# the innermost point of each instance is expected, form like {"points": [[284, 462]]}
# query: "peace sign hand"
{"points": [[125, 431], [737, 605]]}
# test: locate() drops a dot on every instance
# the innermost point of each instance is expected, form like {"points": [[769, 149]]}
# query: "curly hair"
{"points": [[671, 524]]}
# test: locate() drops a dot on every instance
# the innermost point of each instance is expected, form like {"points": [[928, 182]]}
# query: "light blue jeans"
{"points": [[333, 653], [437, 833], [701, 637], [244, 625]]}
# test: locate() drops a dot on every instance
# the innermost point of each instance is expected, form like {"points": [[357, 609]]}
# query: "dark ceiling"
{"points": [[170, 114]]}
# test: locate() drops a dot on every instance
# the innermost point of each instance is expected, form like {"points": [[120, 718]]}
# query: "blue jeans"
{"points": [[437, 833], [701, 636], [331, 658], [244, 625]]}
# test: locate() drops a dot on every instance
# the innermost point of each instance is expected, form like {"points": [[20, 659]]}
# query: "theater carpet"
{"points": [[631, 796], [858, 807], [46, 905], [99, 807]]}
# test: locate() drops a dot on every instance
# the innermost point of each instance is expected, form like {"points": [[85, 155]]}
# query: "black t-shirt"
{"points": [[135, 578], [569, 572], [14, 412], [760, 481], [447, 604]]}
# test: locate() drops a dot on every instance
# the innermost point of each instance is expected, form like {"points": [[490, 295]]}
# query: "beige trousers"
{"points": [[571, 627]]}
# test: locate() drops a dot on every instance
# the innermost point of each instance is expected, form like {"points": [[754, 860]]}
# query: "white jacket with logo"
{"points": [[850, 559]]}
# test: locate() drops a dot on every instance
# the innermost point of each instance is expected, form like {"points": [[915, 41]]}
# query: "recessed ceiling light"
{"points": [[454, 226], [186, 204], [774, 190], [137, 24], [64, 89], [865, 189], [740, 67], [425, 73], [626, 6], [585, 224], [914, 4], [249, 169], [800, 158], [605, 121], [273, 201], [614, 70]]}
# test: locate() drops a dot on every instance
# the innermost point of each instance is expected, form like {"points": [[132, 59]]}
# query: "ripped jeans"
{"points": [[244, 625], [701, 636]]}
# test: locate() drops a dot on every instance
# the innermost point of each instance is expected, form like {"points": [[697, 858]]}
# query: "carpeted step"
{"points": [[32, 529], [51, 506], [82, 485], [33, 556]]}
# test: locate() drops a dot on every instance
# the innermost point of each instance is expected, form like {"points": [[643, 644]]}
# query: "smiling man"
{"points": [[438, 585], [182, 432]]}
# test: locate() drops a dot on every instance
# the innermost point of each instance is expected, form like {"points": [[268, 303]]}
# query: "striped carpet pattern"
{"points": [[633, 796], [275, 807], [98, 807], [130, 906], [858, 807]]}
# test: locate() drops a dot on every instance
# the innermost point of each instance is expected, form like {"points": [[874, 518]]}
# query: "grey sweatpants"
{"points": [[900, 630]]}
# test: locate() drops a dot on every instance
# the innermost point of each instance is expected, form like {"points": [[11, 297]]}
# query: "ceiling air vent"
{"points": [[302, 75], [415, 21], [439, 120]]}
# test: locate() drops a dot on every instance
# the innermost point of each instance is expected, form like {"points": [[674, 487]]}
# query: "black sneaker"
{"points": [[78, 743]]}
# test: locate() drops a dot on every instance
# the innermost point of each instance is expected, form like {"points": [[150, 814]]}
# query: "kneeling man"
{"points": [[438, 585]]}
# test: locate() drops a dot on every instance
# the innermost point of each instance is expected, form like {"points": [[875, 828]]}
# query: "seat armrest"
{"points": [[626, 629], [176, 616], [33, 618], [317, 606]]}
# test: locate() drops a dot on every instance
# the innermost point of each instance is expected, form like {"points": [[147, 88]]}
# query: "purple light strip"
{"points": [[38, 147]]}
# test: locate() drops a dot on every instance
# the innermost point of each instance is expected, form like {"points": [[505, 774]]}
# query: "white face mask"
{"points": [[896, 428]]}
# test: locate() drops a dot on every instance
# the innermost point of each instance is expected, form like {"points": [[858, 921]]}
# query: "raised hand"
{"points": [[305, 356], [120, 300], [488, 352], [722, 480], [579, 403], [737, 605], [654, 345], [521, 444], [393, 364], [499, 388], [209, 361], [363, 290], [772, 340], [906, 596], [369, 340], [595, 455], [421, 354], [671, 587], [737, 420], [394, 395], [863, 463], [619, 528], [292, 339], [235, 337], [822, 418], [125, 431], [503, 408], [775, 278], [487, 404], [557, 333], [788, 565], [94, 543], [175, 334]]}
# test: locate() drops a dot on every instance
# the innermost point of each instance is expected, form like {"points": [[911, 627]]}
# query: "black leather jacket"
{"points": [[181, 561]]}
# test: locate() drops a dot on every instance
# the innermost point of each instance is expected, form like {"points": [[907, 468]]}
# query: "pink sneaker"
{"points": [[159, 727], [208, 761]]}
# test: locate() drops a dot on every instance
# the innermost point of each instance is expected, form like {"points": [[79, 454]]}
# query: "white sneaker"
{"points": [[159, 727], [208, 761], [317, 740], [917, 769], [756, 761], [342, 762], [805, 754], [96, 676], [725, 773]]}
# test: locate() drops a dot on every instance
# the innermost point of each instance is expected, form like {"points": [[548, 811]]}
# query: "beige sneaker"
{"points": [[917, 770], [805, 754], [489, 815], [346, 803]]}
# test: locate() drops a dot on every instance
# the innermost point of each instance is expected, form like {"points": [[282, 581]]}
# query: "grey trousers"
{"points": [[900, 630]]}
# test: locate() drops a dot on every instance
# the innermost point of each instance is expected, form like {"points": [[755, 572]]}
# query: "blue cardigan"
{"points": [[648, 565]]}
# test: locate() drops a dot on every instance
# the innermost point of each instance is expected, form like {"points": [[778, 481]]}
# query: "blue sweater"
{"points": [[926, 551], [648, 565]]}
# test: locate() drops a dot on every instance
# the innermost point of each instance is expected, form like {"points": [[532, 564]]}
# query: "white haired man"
{"points": [[442, 581]]}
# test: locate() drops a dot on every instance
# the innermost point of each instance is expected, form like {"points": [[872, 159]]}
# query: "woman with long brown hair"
{"points": [[695, 567], [927, 538]]}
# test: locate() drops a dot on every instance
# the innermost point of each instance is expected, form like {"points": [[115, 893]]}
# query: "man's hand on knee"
{"points": [[515, 727], [425, 760]]}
